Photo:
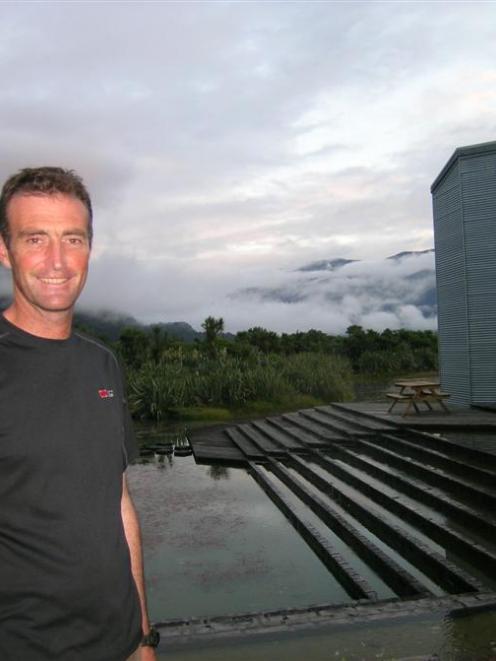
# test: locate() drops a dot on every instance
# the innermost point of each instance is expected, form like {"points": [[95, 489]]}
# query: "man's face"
{"points": [[48, 251]]}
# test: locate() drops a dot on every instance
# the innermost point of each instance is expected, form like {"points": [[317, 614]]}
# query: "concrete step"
{"points": [[434, 441], [249, 449], [462, 489], [305, 438], [339, 426], [457, 542], [327, 435], [418, 491], [440, 459], [439, 569], [285, 441], [399, 580], [261, 441], [372, 424], [355, 585], [477, 455]]}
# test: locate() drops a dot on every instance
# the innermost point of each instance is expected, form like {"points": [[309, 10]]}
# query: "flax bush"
{"points": [[323, 376], [223, 386], [153, 390], [179, 381]]}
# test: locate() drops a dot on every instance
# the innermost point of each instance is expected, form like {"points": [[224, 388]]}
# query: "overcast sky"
{"points": [[228, 143]]}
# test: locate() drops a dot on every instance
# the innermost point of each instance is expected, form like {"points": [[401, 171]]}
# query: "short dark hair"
{"points": [[44, 180]]}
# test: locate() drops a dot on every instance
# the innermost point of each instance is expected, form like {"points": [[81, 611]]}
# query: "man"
{"points": [[71, 577]]}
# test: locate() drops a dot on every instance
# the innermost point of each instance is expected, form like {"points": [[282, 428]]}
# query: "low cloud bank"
{"points": [[375, 294]]}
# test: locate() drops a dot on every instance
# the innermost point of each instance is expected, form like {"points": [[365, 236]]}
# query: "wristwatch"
{"points": [[151, 639]]}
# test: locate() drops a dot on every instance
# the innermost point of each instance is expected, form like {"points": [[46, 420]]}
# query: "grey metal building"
{"points": [[464, 205]]}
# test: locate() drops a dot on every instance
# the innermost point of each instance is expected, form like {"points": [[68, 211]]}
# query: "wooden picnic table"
{"points": [[418, 391]]}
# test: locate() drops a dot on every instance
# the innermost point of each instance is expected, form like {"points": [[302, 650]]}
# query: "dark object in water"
{"points": [[183, 450], [162, 448]]}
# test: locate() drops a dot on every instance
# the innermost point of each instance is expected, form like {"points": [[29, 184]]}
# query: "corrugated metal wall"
{"points": [[464, 203], [478, 184], [451, 291]]}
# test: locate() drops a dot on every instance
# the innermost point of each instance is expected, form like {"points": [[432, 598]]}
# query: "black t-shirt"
{"points": [[66, 589]]}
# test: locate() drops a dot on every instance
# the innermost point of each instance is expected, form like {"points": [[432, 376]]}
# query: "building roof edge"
{"points": [[470, 150]]}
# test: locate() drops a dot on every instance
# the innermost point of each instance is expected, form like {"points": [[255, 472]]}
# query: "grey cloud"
{"points": [[374, 294], [187, 121]]}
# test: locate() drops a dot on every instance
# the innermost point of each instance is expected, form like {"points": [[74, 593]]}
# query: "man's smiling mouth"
{"points": [[54, 281]]}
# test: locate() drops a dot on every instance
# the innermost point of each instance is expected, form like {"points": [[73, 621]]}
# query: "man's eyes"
{"points": [[71, 240]]}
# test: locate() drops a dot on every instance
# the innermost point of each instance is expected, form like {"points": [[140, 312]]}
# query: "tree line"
{"points": [[167, 376], [368, 351]]}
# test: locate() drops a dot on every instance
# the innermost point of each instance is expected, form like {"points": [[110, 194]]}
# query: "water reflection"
{"points": [[215, 544], [218, 472], [471, 635]]}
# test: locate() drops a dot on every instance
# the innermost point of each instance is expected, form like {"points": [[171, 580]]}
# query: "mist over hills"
{"points": [[108, 325], [410, 253], [398, 291], [326, 264], [333, 264]]}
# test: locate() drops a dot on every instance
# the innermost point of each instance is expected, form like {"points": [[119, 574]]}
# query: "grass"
{"points": [[381, 378], [194, 417], [286, 405], [372, 387], [201, 413]]}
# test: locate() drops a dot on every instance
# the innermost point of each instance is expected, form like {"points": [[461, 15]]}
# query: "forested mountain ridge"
{"points": [[109, 325]]}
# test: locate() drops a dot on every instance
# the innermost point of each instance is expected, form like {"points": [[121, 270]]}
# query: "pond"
{"points": [[215, 544]]}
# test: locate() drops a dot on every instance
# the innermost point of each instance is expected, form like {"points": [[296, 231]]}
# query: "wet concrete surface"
{"points": [[449, 629]]}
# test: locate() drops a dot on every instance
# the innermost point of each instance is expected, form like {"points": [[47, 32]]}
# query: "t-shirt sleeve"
{"points": [[130, 448], [130, 444]]}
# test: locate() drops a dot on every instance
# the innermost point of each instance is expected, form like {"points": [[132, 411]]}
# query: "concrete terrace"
{"points": [[458, 419], [218, 443], [414, 498]]}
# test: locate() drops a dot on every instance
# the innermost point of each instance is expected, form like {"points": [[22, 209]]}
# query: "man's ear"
{"points": [[4, 254]]}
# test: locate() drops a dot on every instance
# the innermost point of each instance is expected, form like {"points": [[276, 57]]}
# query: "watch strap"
{"points": [[151, 639]]}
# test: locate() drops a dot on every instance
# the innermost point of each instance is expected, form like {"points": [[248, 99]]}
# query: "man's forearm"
{"points": [[133, 537]]}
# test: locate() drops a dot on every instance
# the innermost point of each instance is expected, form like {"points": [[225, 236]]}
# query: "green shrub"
{"points": [[323, 376], [202, 413], [159, 390], [155, 389], [378, 362]]}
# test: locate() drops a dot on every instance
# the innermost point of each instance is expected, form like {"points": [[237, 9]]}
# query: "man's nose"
{"points": [[56, 254]]}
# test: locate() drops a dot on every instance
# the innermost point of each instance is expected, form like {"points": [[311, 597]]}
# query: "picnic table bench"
{"points": [[416, 392]]}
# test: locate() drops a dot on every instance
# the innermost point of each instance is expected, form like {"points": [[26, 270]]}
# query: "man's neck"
{"points": [[49, 325]]}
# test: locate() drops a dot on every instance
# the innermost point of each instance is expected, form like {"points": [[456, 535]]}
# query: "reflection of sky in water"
{"points": [[214, 543]]}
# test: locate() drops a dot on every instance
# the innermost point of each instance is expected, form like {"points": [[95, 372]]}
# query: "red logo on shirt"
{"points": [[105, 394]]}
